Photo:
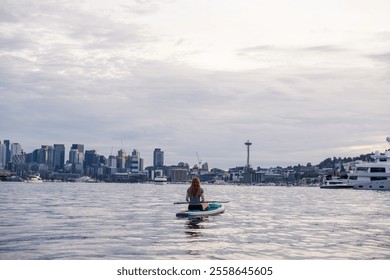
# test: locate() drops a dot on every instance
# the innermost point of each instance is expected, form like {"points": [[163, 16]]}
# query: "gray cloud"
{"points": [[380, 57], [325, 48], [6, 16], [273, 48]]}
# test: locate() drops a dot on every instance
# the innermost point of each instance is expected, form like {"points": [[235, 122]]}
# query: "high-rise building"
{"points": [[3, 155], [91, 158], [16, 150], [79, 147], [91, 163], [7, 151], [59, 156], [46, 155], [112, 162], [73, 156], [158, 158], [121, 159], [135, 162], [77, 151]]}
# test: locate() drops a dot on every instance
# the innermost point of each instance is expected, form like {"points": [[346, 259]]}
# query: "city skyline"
{"points": [[303, 80], [157, 158], [62, 154]]}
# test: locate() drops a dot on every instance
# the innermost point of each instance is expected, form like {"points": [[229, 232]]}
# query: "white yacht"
{"points": [[34, 179], [336, 183], [373, 175], [160, 180]]}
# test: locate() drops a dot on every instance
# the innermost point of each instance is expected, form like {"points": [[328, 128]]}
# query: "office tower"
{"points": [[79, 147], [158, 158], [91, 163], [91, 158], [121, 159], [8, 152], [102, 159], [16, 150], [135, 162], [59, 156], [46, 155], [141, 164], [77, 153], [73, 156], [112, 162], [35, 155], [3, 155]]}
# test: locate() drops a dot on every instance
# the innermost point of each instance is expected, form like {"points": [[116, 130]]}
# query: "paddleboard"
{"points": [[213, 209]]}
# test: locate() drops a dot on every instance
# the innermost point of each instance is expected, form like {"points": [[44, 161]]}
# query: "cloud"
{"points": [[6, 16], [325, 49], [383, 57]]}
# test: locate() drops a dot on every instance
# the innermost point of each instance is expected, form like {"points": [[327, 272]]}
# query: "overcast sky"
{"points": [[302, 80]]}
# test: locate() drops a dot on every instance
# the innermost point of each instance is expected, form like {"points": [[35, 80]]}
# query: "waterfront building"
{"points": [[179, 174]]}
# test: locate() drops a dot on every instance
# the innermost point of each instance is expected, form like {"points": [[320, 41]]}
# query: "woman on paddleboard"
{"points": [[195, 195]]}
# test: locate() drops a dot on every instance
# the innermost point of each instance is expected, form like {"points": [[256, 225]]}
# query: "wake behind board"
{"points": [[213, 209]]}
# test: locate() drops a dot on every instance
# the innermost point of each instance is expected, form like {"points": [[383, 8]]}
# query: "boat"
{"points": [[160, 180], [373, 175], [86, 179], [36, 179], [212, 209], [336, 183]]}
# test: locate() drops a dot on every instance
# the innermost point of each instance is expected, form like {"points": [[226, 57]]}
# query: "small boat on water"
{"points": [[336, 183], [35, 179], [212, 209], [160, 180]]}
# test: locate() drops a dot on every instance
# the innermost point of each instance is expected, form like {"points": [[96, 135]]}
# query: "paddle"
{"points": [[212, 201]]}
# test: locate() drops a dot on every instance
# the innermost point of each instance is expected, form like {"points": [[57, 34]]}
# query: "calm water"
{"points": [[137, 221]]}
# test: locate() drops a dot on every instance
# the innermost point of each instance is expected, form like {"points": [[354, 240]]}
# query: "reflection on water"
{"points": [[194, 226], [136, 221]]}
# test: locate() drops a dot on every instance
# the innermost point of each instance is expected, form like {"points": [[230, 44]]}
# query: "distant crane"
{"points": [[199, 161]]}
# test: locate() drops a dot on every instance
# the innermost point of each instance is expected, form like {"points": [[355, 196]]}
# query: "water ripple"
{"points": [[137, 221]]}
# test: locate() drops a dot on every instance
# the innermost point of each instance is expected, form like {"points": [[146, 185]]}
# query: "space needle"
{"points": [[247, 143]]}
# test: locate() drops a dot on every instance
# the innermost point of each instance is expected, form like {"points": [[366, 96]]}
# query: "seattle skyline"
{"points": [[157, 155], [303, 80]]}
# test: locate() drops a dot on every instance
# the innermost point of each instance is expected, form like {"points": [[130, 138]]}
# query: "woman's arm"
{"points": [[187, 197], [202, 198]]}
